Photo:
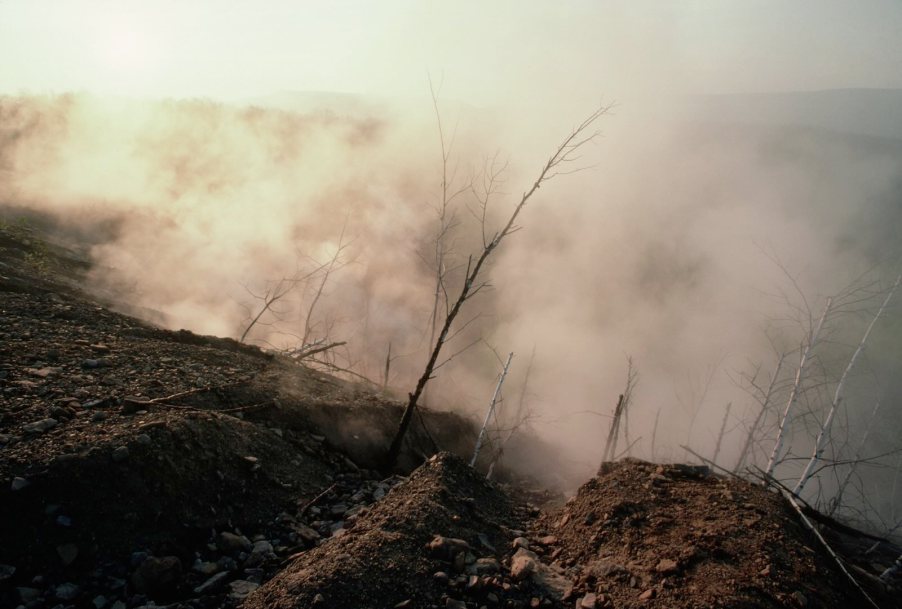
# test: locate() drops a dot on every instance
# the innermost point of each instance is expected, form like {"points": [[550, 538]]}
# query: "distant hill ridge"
{"points": [[874, 112]]}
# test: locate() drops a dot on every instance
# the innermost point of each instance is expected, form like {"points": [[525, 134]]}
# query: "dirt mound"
{"points": [[440, 539], [642, 535]]}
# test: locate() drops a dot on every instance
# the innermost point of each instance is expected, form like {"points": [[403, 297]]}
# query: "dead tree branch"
{"points": [[581, 135]]}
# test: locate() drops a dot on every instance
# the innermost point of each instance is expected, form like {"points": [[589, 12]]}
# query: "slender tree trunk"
{"points": [[837, 499], [610, 446], [563, 156], [757, 422], [654, 435], [824, 433], [794, 393], [488, 415], [723, 429], [387, 368]]}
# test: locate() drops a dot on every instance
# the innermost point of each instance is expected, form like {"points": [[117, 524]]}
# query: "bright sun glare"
{"points": [[125, 49]]}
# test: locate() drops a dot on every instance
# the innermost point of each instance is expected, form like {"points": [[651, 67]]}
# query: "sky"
{"points": [[484, 53]]}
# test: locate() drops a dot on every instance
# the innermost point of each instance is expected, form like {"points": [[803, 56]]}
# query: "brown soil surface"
{"points": [[641, 535]]}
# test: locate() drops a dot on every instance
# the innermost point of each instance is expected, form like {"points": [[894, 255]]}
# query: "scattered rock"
{"points": [[240, 588], [230, 543], [588, 601], [486, 566], [212, 583], [447, 548], [520, 542], [40, 426], [647, 595], [666, 566], [67, 552], [93, 364], [28, 595], [120, 454], [67, 592], [158, 577], [523, 564], [441, 577], [19, 483]]}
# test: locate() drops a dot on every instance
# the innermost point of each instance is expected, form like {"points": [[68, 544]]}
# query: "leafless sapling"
{"points": [[491, 410], [805, 353], [824, 432], [559, 163]]}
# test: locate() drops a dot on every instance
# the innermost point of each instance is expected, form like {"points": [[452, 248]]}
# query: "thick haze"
{"points": [[202, 175]]}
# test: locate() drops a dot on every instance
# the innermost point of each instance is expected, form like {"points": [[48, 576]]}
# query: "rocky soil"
{"points": [[141, 467]]}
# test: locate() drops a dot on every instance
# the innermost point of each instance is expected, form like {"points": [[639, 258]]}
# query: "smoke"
{"points": [[661, 249]]}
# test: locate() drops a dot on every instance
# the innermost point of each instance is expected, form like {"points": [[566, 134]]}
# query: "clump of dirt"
{"points": [[675, 536], [442, 538]]}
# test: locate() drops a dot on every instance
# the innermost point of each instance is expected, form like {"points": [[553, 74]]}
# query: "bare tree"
{"points": [[809, 344], [764, 397], [559, 163], [620, 415], [824, 432], [723, 429], [491, 410]]}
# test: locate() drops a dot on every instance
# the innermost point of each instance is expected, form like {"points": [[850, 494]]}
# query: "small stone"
{"points": [[588, 601], [99, 602], [28, 595], [319, 599], [212, 583], [441, 577], [666, 565], [120, 454], [404, 604], [63, 521], [523, 564], [40, 426], [158, 576], [451, 603], [206, 568], [548, 540], [446, 548], [6, 572], [143, 439], [19, 483], [486, 566], [520, 542], [67, 552], [229, 542], [67, 592], [92, 364], [240, 588], [800, 599], [765, 571], [647, 595]]}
